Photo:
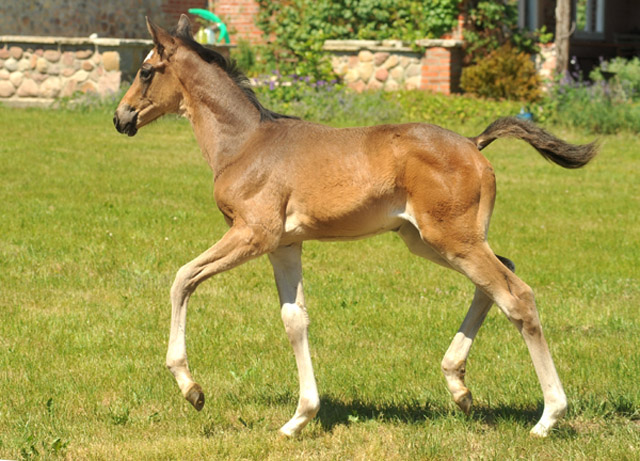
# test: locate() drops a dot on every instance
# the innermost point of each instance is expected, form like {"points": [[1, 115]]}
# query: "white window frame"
{"points": [[595, 26]]}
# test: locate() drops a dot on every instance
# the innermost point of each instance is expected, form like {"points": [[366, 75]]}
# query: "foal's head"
{"points": [[156, 89]]}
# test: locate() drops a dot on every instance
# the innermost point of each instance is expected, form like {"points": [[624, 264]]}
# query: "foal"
{"points": [[280, 181]]}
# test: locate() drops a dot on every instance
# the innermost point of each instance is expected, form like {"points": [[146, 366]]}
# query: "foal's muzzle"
{"points": [[125, 119]]}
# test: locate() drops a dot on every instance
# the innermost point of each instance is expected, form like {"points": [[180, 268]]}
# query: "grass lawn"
{"points": [[94, 226]]}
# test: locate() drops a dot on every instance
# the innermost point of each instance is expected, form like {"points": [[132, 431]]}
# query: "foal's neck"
{"points": [[221, 115]]}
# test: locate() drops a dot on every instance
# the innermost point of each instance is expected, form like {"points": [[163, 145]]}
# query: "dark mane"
{"points": [[231, 69]]}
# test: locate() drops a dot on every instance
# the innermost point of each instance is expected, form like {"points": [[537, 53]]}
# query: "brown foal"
{"points": [[280, 181]]}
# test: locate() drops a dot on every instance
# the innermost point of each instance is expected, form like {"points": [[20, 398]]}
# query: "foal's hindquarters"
{"points": [[448, 222]]}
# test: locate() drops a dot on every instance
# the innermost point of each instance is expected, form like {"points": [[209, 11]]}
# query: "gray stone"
{"points": [[80, 76], [68, 88], [374, 84], [67, 58], [412, 83], [83, 54], [379, 58], [413, 70], [16, 78], [15, 52], [365, 56], [4, 74], [351, 76], [54, 69], [6, 89], [365, 69], [89, 87], [391, 85], [29, 88], [24, 65], [11, 64], [51, 87], [109, 83], [397, 73], [42, 65], [111, 60], [391, 62], [52, 55]]}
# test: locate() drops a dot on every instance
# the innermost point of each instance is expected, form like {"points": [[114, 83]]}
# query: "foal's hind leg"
{"points": [[515, 299], [287, 268], [455, 359]]}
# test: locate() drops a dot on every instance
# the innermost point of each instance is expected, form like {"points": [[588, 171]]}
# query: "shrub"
{"points": [[622, 76], [298, 28], [597, 107], [505, 74]]}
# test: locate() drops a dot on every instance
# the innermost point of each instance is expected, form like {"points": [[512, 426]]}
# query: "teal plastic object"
{"points": [[209, 16]]}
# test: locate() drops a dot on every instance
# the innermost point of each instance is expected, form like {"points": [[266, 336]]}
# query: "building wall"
{"points": [[239, 16], [76, 18]]}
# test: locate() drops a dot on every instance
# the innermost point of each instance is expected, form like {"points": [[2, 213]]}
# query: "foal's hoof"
{"points": [[195, 396], [465, 401]]}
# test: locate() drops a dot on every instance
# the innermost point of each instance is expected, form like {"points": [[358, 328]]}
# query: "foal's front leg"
{"points": [[287, 268], [238, 245]]}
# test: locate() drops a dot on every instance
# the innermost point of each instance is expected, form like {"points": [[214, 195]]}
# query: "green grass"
{"points": [[95, 224]]}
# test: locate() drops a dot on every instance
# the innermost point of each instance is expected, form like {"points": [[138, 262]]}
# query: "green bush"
{"points": [[596, 107], [622, 76], [298, 28], [505, 73]]}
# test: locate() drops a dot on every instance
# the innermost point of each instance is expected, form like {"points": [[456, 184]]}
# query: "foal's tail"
{"points": [[553, 149]]}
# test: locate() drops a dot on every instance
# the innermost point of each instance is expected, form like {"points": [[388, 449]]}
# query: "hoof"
{"points": [[195, 396], [540, 431], [464, 402], [288, 433]]}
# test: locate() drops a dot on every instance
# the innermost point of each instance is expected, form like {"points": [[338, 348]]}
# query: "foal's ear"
{"points": [[184, 27], [161, 37]]}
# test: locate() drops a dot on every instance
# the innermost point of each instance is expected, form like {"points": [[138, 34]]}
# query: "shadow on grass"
{"points": [[334, 412]]}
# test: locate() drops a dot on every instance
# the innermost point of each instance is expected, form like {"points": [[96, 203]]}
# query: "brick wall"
{"points": [[239, 16], [172, 9], [441, 69]]}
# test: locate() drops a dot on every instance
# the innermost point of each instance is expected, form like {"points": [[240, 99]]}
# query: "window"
{"points": [[589, 18]]}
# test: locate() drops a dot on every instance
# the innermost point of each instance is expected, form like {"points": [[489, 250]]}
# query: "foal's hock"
{"points": [[280, 181]]}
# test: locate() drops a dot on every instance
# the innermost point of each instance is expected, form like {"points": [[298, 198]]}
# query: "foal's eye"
{"points": [[145, 73]]}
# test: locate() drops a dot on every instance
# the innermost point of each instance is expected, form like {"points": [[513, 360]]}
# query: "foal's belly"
{"points": [[368, 221]]}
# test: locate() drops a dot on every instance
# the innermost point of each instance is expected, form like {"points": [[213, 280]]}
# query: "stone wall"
{"points": [[391, 65], [73, 18], [37, 70]]}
